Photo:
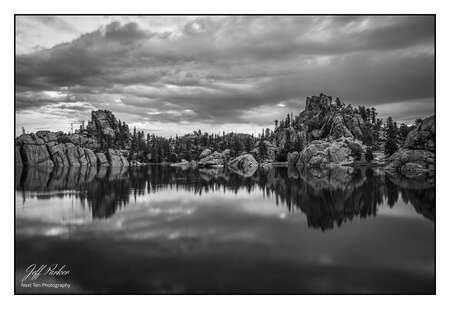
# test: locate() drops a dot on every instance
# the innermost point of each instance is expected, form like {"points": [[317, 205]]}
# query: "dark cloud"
{"points": [[234, 69], [125, 34]]}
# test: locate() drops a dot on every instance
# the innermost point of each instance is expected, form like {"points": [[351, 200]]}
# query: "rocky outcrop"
{"points": [[323, 119], [91, 158], [338, 128], [417, 157], [103, 123], [44, 149], [101, 159], [422, 137], [206, 152], [116, 158], [213, 159], [244, 165], [17, 157], [74, 156], [79, 140], [322, 153], [412, 162], [34, 151], [58, 154], [49, 138]]}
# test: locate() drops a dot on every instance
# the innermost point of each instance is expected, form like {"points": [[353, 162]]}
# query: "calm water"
{"points": [[159, 229]]}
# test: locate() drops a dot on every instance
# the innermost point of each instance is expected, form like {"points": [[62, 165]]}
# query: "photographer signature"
{"points": [[35, 271]]}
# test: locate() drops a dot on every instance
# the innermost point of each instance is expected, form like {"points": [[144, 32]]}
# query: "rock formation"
{"points": [[103, 123], [115, 158], [48, 149], [215, 159], [423, 137], [33, 151], [206, 152], [244, 165], [80, 140], [101, 159], [322, 153], [416, 158], [17, 156]]}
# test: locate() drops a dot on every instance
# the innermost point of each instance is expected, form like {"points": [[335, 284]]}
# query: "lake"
{"points": [[160, 229]]}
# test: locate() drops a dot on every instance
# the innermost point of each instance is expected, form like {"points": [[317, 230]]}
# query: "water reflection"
{"points": [[157, 229], [328, 198]]}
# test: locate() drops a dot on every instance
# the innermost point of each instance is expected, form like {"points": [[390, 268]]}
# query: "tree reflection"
{"points": [[328, 197]]}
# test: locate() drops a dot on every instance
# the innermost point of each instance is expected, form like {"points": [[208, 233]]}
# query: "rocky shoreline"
{"points": [[324, 135], [44, 149]]}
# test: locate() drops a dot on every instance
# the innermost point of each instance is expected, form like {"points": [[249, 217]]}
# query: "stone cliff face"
{"points": [[323, 118], [103, 122], [48, 149], [33, 151]]}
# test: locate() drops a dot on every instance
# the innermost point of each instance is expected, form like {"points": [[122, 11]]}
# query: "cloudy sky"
{"points": [[173, 74]]}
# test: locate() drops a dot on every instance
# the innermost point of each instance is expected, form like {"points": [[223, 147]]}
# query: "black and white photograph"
{"points": [[224, 154]]}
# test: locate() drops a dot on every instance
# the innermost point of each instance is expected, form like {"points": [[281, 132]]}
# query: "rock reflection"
{"points": [[327, 197]]}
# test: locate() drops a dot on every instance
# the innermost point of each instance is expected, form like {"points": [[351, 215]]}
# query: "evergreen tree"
{"points": [[403, 131], [373, 115], [369, 154], [390, 145], [262, 148]]}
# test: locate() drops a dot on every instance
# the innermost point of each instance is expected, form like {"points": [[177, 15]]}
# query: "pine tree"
{"points": [[403, 131], [390, 145], [369, 154], [262, 148], [373, 115]]}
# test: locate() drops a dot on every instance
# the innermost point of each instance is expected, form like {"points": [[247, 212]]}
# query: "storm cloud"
{"points": [[170, 74]]}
